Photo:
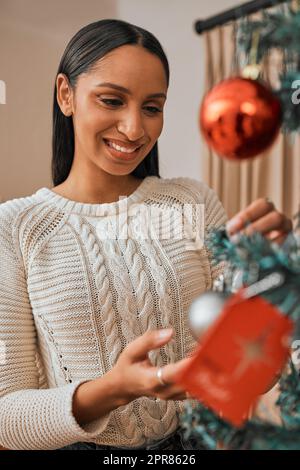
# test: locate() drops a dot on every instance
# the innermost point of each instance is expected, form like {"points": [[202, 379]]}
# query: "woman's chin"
{"points": [[117, 170]]}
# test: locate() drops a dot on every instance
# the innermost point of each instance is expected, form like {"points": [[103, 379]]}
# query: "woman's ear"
{"points": [[64, 94]]}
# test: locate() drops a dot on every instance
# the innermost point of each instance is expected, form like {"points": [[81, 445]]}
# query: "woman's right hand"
{"points": [[136, 375]]}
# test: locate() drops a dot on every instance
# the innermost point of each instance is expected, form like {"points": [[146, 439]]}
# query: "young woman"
{"points": [[93, 324]]}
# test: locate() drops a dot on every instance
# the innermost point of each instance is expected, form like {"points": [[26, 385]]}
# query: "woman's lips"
{"points": [[122, 155]]}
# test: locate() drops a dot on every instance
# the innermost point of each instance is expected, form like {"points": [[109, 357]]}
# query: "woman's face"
{"points": [[102, 113]]}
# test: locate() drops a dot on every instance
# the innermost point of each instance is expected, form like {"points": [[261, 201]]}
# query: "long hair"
{"points": [[89, 45]]}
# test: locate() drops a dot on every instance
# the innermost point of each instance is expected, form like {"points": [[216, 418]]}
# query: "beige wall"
{"points": [[33, 35]]}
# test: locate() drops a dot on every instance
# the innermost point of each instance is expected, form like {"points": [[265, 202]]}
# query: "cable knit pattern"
{"points": [[72, 298]]}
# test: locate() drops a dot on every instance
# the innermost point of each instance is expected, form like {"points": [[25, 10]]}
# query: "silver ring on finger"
{"points": [[159, 376]]}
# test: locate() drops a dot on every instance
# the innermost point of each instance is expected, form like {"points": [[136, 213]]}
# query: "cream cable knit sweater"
{"points": [[72, 298]]}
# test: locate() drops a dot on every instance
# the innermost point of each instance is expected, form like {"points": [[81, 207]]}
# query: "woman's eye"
{"points": [[111, 102], [154, 109]]}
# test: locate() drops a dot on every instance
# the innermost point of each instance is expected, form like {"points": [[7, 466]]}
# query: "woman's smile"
{"points": [[118, 154]]}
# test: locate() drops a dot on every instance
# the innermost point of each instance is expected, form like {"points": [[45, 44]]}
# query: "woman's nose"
{"points": [[132, 126]]}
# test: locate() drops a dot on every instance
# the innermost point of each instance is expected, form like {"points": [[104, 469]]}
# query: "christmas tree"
{"points": [[270, 270]]}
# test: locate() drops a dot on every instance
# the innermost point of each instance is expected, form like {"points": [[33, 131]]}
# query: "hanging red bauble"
{"points": [[240, 118]]}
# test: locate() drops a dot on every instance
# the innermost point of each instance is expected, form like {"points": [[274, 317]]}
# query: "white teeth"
{"points": [[120, 149]]}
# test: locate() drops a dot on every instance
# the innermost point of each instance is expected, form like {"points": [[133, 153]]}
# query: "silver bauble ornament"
{"points": [[204, 310]]}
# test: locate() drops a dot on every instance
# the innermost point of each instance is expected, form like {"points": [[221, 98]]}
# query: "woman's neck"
{"points": [[107, 190]]}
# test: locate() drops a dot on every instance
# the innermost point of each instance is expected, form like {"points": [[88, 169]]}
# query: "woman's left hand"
{"points": [[261, 216]]}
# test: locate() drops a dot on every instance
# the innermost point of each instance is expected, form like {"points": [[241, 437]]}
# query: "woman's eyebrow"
{"points": [[125, 90]]}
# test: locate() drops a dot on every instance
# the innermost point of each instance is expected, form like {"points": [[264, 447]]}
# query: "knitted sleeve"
{"points": [[30, 418]]}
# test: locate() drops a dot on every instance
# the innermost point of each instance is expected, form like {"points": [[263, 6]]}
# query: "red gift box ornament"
{"points": [[238, 357]]}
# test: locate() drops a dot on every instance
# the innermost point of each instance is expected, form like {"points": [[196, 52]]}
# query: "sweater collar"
{"points": [[93, 209]]}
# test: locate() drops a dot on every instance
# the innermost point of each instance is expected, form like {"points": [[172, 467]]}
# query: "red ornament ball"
{"points": [[240, 118]]}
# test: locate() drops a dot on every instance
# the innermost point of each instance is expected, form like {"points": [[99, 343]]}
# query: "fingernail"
{"points": [[233, 224], [162, 334], [235, 238]]}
